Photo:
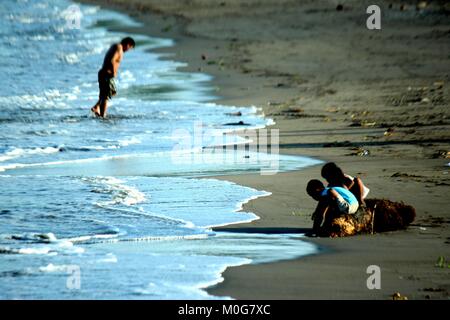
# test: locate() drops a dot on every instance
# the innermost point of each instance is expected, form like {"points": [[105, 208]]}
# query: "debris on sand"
{"points": [[389, 132], [404, 175], [441, 154], [398, 296], [359, 123], [428, 95], [296, 112], [337, 144], [333, 109], [421, 5], [434, 289], [293, 110], [358, 151]]}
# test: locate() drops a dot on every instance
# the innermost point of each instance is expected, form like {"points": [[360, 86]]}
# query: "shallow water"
{"points": [[117, 201]]}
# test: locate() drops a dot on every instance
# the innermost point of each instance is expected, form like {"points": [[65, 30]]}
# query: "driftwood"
{"points": [[379, 215]]}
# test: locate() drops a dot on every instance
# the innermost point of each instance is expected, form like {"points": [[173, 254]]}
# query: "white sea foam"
{"points": [[52, 246], [240, 207], [161, 238], [109, 258], [121, 193], [37, 250], [219, 278], [44, 250], [50, 99], [166, 238], [132, 213], [19, 152], [89, 238], [71, 58], [129, 141], [63, 268], [125, 194], [99, 147]]}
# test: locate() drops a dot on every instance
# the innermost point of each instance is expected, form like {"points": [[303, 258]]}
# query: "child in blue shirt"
{"points": [[337, 178], [333, 201]]}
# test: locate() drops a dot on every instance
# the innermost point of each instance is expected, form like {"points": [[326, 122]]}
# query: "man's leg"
{"points": [[103, 107], [95, 109]]}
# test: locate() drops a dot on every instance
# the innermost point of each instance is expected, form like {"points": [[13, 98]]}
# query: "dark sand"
{"points": [[332, 86]]}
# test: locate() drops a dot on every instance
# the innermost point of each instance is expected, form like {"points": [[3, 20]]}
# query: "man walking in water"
{"points": [[108, 73]]}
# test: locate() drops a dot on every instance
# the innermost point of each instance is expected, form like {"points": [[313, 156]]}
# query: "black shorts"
{"points": [[106, 85]]}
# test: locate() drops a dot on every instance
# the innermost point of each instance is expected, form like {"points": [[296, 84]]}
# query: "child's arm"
{"points": [[319, 214], [348, 182]]}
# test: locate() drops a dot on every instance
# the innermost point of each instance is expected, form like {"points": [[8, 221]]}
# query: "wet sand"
{"points": [[374, 101]]}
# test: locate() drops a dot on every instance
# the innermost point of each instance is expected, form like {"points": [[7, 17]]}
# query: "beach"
{"points": [[373, 101], [120, 207]]}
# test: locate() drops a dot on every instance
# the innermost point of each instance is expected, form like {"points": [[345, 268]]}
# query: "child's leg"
{"points": [[337, 205]]}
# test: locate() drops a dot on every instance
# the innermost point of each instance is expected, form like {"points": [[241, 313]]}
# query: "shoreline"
{"points": [[241, 66]]}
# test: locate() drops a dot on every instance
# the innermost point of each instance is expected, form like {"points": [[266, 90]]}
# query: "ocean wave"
{"points": [[70, 58], [157, 238], [129, 141], [63, 268], [89, 148], [109, 258], [91, 238], [33, 237], [8, 250], [69, 243], [45, 132], [49, 99], [50, 248], [120, 193], [194, 162], [19, 152]]}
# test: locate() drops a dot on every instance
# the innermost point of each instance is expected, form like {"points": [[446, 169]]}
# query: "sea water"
{"points": [[114, 209]]}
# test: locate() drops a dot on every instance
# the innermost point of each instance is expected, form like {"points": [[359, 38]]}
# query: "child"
{"points": [[336, 178], [333, 201]]}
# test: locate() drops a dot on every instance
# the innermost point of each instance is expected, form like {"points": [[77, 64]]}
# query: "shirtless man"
{"points": [[107, 74]]}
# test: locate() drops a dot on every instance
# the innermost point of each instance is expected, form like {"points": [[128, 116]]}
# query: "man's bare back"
{"points": [[112, 60]]}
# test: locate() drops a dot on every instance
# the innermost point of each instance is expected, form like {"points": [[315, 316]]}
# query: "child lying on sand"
{"points": [[333, 201]]}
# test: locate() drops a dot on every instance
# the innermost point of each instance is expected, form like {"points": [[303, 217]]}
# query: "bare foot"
{"points": [[95, 111]]}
